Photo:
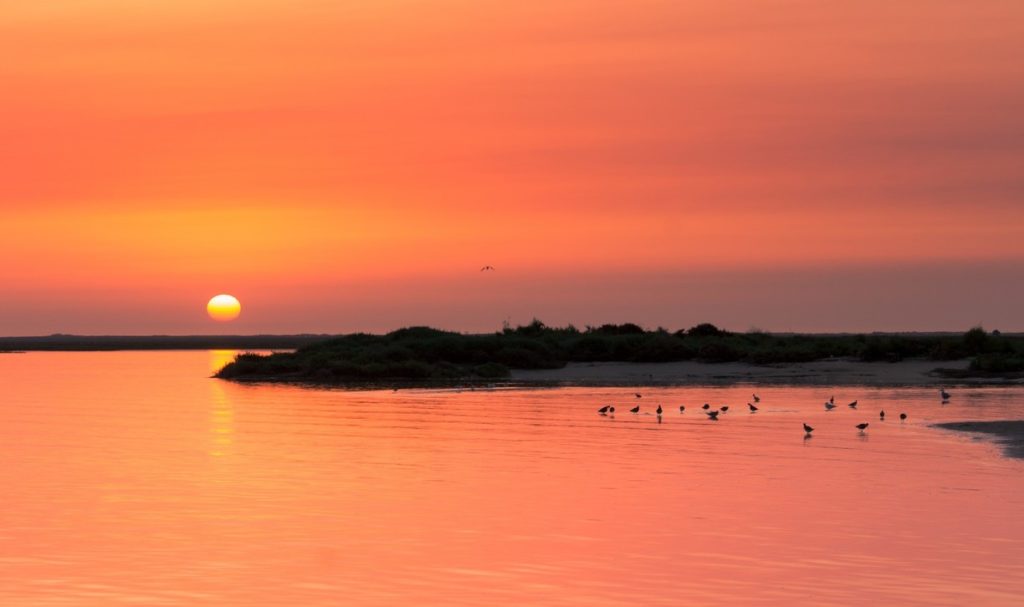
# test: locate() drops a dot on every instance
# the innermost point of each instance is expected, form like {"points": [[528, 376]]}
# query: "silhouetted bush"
{"points": [[706, 330]]}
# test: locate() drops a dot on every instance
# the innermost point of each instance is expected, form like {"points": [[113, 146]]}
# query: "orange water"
{"points": [[134, 479]]}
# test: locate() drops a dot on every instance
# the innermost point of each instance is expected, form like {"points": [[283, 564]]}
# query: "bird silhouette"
{"points": [[635, 409], [611, 411], [757, 398], [881, 415], [682, 408], [832, 400], [945, 395], [713, 415], [852, 405], [487, 269], [829, 406], [706, 406], [725, 408], [658, 410], [808, 429], [903, 417], [638, 395], [862, 427], [752, 407], [603, 410]]}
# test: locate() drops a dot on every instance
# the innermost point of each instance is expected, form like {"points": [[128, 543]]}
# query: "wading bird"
{"points": [[725, 408], [808, 429], [635, 409], [862, 427], [852, 405], [757, 398], [752, 407], [945, 395], [604, 409], [682, 408], [829, 406], [903, 417], [881, 415], [638, 395], [706, 406], [713, 415], [658, 410]]}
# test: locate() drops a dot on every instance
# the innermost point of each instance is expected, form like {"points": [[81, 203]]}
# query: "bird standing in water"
{"points": [[881, 415], [808, 429], [752, 407], [706, 406], [757, 398], [945, 395], [852, 405], [682, 408], [903, 417], [862, 427], [713, 415], [638, 395], [635, 409], [603, 410], [725, 408], [658, 410], [829, 406]]}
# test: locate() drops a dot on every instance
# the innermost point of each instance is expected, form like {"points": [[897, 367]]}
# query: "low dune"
{"points": [[829, 372]]}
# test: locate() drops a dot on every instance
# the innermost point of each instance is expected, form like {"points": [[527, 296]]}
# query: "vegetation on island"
{"points": [[423, 354]]}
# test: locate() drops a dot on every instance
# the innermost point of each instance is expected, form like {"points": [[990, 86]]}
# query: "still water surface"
{"points": [[131, 478]]}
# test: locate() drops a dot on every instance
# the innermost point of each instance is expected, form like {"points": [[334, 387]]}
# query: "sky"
{"points": [[347, 166]]}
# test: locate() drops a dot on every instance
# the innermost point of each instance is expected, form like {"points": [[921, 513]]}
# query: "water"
{"points": [[133, 478]]}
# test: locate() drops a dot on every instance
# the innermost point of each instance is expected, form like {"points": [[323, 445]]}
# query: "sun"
{"points": [[223, 308]]}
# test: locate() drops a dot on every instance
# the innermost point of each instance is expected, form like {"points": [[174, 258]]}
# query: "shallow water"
{"points": [[133, 478]]}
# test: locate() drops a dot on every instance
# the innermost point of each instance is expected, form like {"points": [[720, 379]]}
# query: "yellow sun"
{"points": [[223, 308]]}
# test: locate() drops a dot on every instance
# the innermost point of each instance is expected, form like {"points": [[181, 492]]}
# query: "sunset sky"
{"points": [[350, 166]]}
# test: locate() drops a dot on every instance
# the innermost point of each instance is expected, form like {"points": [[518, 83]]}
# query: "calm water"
{"points": [[132, 478]]}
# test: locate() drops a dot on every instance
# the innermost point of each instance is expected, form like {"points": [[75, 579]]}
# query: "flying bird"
{"points": [[881, 415], [603, 410], [829, 406], [808, 429], [752, 407], [903, 417], [852, 405], [862, 427], [635, 409], [757, 398], [487, 269]]}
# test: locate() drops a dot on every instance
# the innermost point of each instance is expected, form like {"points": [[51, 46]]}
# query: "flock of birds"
{"points": [[713, 413]]}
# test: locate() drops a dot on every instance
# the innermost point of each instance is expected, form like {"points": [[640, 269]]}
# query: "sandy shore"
{"points": [[1009, 434], [827, 372]]}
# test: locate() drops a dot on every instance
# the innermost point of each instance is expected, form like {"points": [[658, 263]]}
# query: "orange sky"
{"points": [[344, 166]]}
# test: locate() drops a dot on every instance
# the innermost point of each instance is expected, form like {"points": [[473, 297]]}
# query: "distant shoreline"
{"points": [[102, 343]]}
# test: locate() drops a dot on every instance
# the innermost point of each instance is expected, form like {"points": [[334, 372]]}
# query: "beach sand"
{"points": [[831, 372]]}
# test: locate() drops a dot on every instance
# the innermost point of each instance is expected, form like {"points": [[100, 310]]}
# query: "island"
{"points": [[627, 354]]}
